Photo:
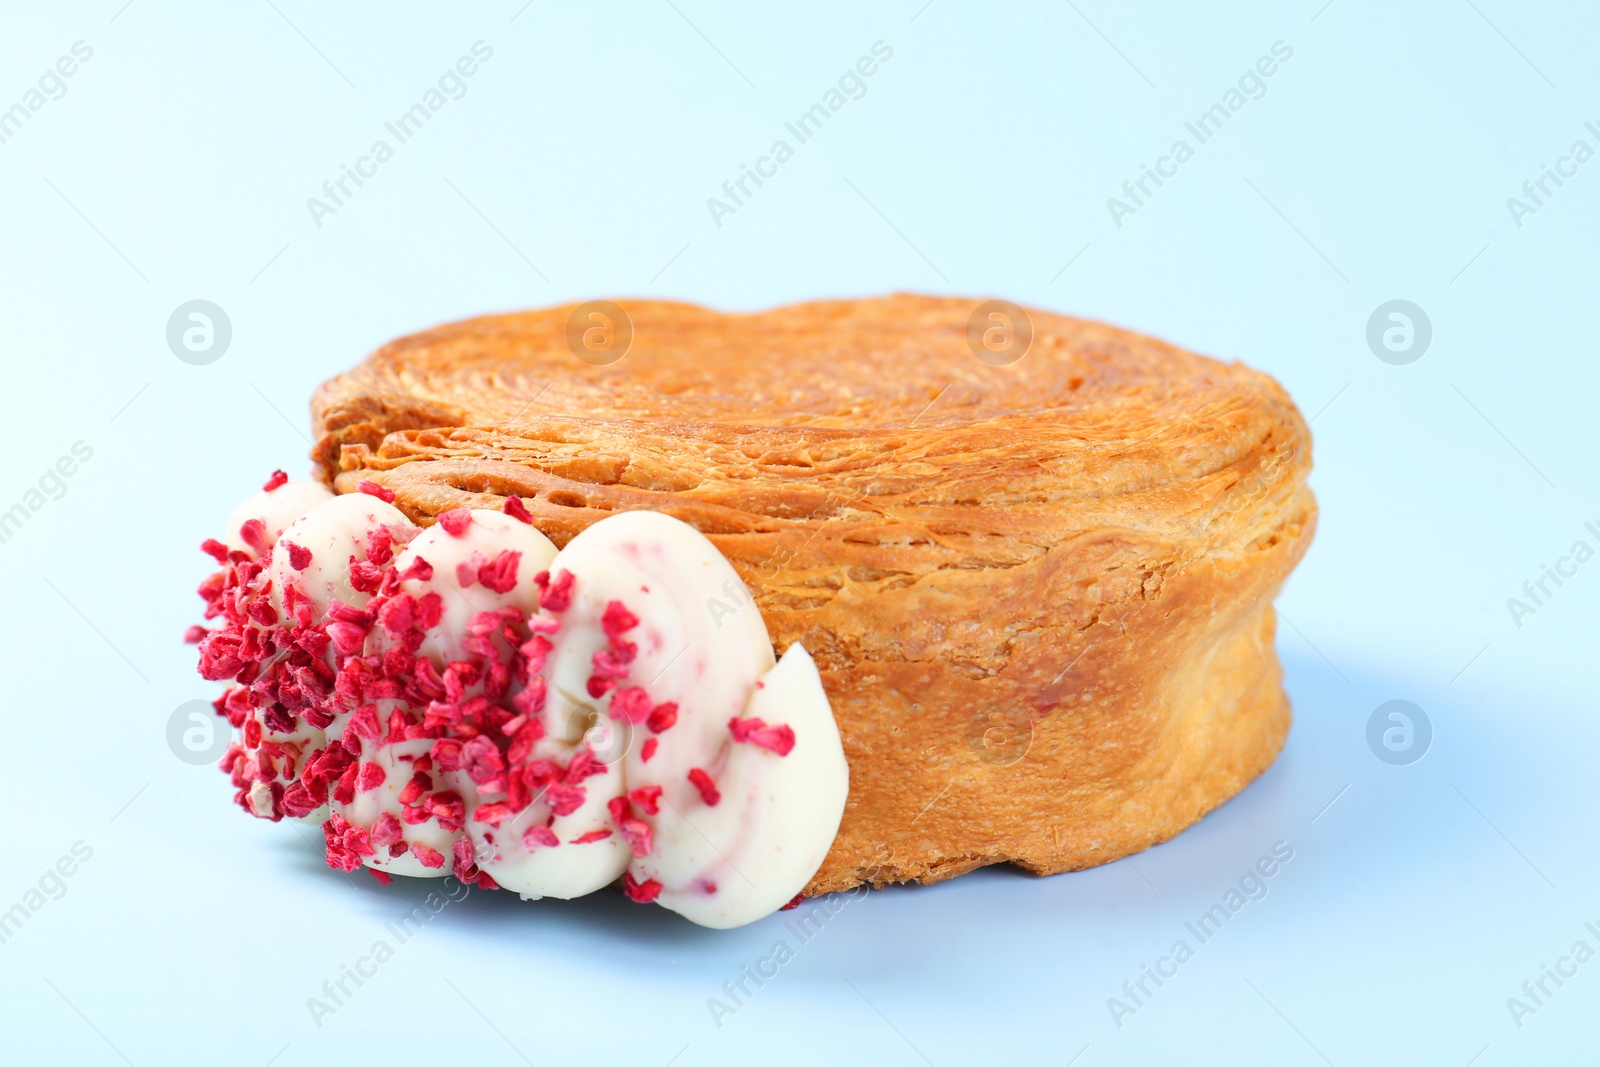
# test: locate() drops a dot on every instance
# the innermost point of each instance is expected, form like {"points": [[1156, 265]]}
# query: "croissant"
{"points": [[1032, 556]]}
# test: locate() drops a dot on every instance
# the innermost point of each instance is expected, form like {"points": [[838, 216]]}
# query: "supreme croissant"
{"points": [[1034, 577]]}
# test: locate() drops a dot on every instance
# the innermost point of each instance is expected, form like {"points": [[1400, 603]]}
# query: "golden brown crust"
{"points": [[1039, 594]]}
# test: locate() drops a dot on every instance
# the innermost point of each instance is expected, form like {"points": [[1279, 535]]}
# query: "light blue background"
{"points": [[1377, 166]]}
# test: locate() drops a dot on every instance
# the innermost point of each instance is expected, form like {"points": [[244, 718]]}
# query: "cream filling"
{"points": [[721, 857]]}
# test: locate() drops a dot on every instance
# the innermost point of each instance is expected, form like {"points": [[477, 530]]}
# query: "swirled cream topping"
{"points": [[467, 699]]}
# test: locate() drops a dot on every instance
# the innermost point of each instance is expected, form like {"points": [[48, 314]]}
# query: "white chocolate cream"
{"points": [[466, 699], [275, 509]]}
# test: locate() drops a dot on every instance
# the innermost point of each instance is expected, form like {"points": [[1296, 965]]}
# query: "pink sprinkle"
{"points": [[430, 609], [428, 857], [662, 717], [449, 809], [364, 722], [276, 479], [555, 594], [374, 489], [380, 545], [793, 904], [632, 704], [591, 836], [544, 624], [365, 577], [370, 778], [298, 801], [609, 663], [398, 615], [215, 549], [583, 766], [465, 869], [419, 784], [518, 510], [482, 761], [387, 831], [194, 635], [539, 836], [493, 814], [467, 574], [263, 612], [500, 575], [346, 844], [420, 570], [647, 750], [708, 789], [648, 798], [383, 879], [254, 533], [617, 620], [299, 556], [640, 892], [779, 739], [446, 753], [637, 834], [523, 738], [455, 521], [565, 799]]}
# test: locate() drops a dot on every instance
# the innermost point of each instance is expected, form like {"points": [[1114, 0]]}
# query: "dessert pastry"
{"points": [[1036, 592], [467, 699]]}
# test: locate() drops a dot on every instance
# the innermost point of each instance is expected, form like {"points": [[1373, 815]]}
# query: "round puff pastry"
{"points": [[1039, 594]]}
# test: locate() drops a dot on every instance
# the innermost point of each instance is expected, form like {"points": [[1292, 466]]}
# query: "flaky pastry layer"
{"points": [[1039, 594]]}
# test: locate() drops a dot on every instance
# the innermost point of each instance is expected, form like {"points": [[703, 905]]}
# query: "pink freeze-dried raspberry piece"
{"points": [[662, 717], [555, 593], [370, 777], [647, 798], [493, 814], [779, 739], [253, 532], [346, 844], [365, 577], [640, 892], [632, 704], [387, 831], [380, 545], [565, 799], [708, 789], [637, 834], [500, 574], [374, 489], [517, 510], [298, 801], [617, 620], [483, 763], [539, 837], [274, 480], [455, 521]]}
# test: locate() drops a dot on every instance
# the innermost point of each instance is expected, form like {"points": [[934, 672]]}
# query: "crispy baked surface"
{"points": [[1039, 594]]}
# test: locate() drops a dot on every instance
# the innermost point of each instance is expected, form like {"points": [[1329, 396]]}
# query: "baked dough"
{"points": [[1039, 594]]}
